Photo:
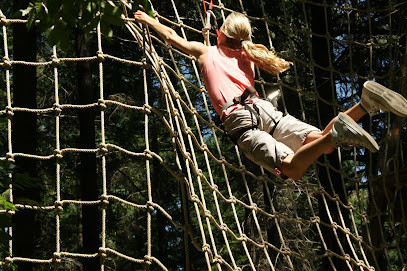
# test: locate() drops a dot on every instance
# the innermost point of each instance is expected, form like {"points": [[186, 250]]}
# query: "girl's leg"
{"points": [[355, 112], [343, 131], [295, 165]]}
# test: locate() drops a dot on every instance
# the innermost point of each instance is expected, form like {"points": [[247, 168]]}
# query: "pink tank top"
{"points": [[227, 73]]}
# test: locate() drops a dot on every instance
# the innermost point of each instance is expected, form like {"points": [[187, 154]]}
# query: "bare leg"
{"points": [[295, 165], [315, 144], [355, 112]]}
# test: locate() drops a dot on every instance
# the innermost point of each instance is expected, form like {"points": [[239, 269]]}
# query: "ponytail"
{"points": [[264, 58]]}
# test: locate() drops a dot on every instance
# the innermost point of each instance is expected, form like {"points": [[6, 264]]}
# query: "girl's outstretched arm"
{"points": [[194, 48]]}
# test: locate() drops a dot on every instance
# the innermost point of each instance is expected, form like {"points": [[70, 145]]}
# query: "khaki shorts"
{"points": [[265, 149]]}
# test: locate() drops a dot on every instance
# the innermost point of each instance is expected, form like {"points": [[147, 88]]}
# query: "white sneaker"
{"points": [[346, 132], [376, 97]]}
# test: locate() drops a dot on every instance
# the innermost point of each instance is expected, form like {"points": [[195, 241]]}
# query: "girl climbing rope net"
{"points": [[282, 144]]}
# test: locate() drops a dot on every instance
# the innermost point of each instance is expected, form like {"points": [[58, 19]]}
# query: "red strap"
{"points": [[210, 5]]}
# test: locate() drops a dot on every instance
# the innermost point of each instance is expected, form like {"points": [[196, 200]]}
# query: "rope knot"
{"points": [[347, 231], [10, 157], [58, 205], [254, 206], [360, 263], [58, 154], [102, 104], [148, 259], [160, 61], [244, 237], [57, 109], [3, 20], [100, 55], [335, 225], [56, 257], [223, 227], [145, 64], [8, 260], [233, 199], [329, 253], [102, 252], [103, 148], [55, 61], [316, 219], [208, 213], [7, 63], [347, 257], [9, 112], [217, 259], [147, 109], [336, 197], [177, 96], [286, 251], [206, 248], [195, 198], [215, 187], [104, 199], [148, 155], [194, 111], [205, 147], [203, 90], [188, 131], [150, 206], [10, 212]]}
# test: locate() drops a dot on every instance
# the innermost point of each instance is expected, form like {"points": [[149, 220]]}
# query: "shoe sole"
{"points": [[391, 100], [356, 129]]}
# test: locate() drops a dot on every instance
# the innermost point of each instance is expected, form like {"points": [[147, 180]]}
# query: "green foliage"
{"points": [[60, 18], [144, 5]]}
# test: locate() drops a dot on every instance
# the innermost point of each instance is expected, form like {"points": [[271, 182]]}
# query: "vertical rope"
{"points": [[9, 109], [58, 204], [104, 197]]}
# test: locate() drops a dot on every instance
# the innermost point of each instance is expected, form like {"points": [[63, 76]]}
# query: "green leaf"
{"points": [[5, 205], [106, 30], [23, 12], [59, 35], [6, 194], [31, 18], [146, 7], [112, 19]]}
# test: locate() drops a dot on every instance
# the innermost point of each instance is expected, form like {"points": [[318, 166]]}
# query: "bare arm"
{"points": [[197, 49]]}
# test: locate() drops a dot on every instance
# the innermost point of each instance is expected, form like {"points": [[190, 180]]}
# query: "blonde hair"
{"points": [[237, 27]]}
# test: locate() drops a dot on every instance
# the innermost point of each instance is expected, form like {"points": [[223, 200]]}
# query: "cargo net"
{"points": [[226, 213]]}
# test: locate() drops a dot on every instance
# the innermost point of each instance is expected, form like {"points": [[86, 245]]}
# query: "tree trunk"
{"points": [[87, 172], [321, 53], [24, 134]]}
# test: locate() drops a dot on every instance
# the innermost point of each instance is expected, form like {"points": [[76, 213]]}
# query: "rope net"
{"points": [[347, 213]]}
